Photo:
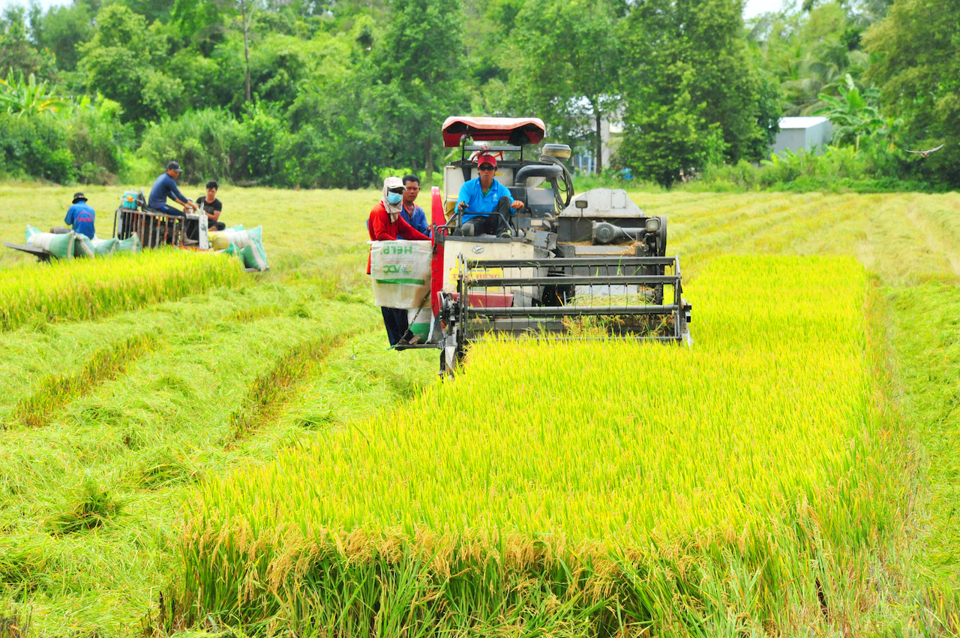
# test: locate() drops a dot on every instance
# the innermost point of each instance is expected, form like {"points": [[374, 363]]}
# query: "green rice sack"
{"points": [[104, 247], [82, 246], [131, 244], [60, 246], [254, 256]]}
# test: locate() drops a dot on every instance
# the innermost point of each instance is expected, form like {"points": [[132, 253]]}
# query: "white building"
{"points": [[610, 135], [809, 133]]}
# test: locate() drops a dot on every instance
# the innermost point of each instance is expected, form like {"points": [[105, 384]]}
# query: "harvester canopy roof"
{"points": [[516, 130]]}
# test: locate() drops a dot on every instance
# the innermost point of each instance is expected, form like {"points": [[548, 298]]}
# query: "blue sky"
{"points": [[753, 7]]}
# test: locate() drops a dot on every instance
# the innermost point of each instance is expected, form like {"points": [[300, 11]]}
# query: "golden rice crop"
{"points": [[583, 489], [85, 289]]}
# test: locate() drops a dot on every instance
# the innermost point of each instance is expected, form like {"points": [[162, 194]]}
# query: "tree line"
{"points": [[333, 94]]}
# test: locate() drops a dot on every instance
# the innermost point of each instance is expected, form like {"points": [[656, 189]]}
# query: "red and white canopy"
{"points": [[515, 130]]}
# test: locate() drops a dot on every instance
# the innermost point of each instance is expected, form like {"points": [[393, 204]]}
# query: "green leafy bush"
{"points": [[202, 141], [36, 147]]}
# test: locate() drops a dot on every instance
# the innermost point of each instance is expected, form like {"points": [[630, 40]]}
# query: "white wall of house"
{"points": [[610, 135], [808, 133]]}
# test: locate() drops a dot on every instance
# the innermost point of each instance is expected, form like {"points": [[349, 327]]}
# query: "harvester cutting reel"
{"points": [[616, 297]]}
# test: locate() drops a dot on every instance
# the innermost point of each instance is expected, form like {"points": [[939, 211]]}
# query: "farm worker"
{"points": [[386, 224], [484, 195], [212, 206], [81, 216], [411, 213], [165, 187]]}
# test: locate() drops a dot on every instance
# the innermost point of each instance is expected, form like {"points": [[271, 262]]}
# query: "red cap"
{"points": [[487, 159]]}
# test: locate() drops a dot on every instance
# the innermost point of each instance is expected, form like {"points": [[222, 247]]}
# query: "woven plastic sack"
{"points": [[219, 241], [82, 246], [401, 272], [131, 244], [419, 322], [104, 247], [241, 237], [254, 256], [232, 251], [60, 246]]}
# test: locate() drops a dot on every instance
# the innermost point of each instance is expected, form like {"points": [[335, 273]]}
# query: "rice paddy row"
{"points": [[562, 499], [88, 289]]}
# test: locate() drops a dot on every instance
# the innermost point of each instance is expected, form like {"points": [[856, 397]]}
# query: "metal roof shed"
{"points": [[809, 133]]}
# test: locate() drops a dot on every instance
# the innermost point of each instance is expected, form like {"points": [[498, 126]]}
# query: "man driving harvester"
{"points": [[165, 187], [482, 196]]}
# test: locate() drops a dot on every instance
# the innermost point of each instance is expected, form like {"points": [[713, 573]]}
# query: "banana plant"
{"points": [[853, 113], [21, 96]]}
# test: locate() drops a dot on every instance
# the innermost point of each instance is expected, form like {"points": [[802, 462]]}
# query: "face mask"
{"points": [[394, 198]]}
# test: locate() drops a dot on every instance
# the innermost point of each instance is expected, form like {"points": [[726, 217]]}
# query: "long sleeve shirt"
{"points": [[416, 218], [381, 228], [163, 188]]}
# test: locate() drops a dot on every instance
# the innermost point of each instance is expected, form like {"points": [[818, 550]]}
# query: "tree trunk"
{"points": [[599, 165], [428, 165], [246, 46]]}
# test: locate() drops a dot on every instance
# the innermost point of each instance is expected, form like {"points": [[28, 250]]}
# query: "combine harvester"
{"points": [[582, 266]]}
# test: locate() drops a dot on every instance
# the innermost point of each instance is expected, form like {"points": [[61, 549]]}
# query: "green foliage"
{"points": [[61, 29], [123, 60], [17, 52], [915, 57], [871, 169], [19, 96], [97, 139], [202, 141], [809, 53], [568, 60], [35, 146], [854, 114], [414, 76], [340, 90], [691, 93]]}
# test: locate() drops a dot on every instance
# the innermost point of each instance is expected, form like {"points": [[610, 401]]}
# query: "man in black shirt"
{"points": [[212, 206]]}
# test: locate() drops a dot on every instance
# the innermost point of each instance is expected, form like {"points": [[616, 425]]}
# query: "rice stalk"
{"points": [[88, 289]]}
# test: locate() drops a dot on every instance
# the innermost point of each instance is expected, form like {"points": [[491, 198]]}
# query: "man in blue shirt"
{"points": [[411, 213], [80, 216], [484, 195], [165, 187]]}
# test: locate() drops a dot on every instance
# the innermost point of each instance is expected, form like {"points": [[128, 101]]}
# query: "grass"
{"points": [[479, 496], [160, 428]]}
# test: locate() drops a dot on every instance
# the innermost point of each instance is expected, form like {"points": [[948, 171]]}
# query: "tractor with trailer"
{"points": [[572, 266]]}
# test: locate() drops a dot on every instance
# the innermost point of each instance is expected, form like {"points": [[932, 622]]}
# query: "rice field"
{"points": [[563, 482], [87, 289], [246, 457]]}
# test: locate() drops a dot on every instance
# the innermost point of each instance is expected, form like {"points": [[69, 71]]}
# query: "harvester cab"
{"points": [[576, 266]]}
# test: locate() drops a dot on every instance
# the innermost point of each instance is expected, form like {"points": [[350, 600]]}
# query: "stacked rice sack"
{"points": [[70, 244], [247, 245]]}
